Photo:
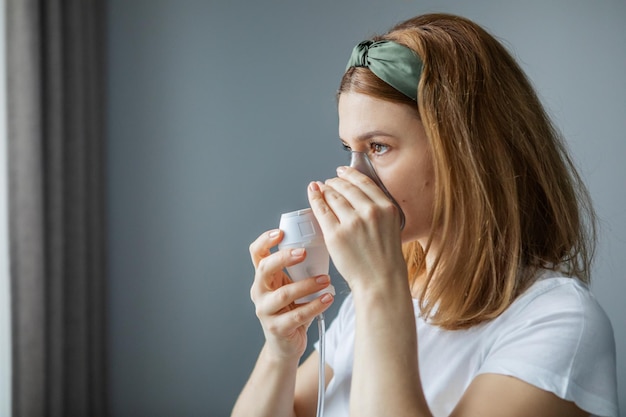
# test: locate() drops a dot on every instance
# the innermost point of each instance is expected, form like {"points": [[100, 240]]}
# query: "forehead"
{"points": [[360, 114]]}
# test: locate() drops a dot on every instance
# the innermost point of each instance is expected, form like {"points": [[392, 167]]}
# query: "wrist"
{"points": [[371, 289], [279, 359]]}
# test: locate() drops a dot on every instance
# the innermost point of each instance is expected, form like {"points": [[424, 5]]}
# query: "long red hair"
{"points": [[508, 199]]}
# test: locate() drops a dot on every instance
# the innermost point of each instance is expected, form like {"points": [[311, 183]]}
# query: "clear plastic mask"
{"points": [[361, 162]]}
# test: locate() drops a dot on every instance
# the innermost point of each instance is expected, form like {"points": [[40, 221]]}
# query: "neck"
{"points": [[417, 286]]}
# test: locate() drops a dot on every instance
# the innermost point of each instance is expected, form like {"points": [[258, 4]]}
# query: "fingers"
{"points": [[349, 197], [270, 276], [270, 273], [302, 315], [289, 293], [279, 315], [323, 213], [276, 301], [356, 185], [260, 248]]}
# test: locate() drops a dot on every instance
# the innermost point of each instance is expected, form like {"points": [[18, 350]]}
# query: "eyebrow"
{"points": [[365, 137]]}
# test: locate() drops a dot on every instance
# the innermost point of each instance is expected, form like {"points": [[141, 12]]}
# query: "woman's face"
{"points": [[394, 138]]}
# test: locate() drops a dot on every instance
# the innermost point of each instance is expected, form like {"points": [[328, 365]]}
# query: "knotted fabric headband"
{"points": [[393, 63]]}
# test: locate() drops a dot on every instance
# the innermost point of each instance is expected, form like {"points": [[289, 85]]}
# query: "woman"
{"points": [[479, 306]]}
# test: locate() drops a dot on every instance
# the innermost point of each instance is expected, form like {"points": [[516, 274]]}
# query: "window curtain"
{"points": [[55, 85]]}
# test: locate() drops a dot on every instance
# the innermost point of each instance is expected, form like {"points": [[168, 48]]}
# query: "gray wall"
{"points": [[220, 112]]}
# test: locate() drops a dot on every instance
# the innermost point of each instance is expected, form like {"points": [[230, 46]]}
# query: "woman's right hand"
{"points": [[284, 323]]}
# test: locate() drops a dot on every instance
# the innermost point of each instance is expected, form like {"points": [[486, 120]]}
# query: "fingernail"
{"points": [[314, 186], [274, 233], [296, 253], [326, 298], [322, 279], [341, 170]]}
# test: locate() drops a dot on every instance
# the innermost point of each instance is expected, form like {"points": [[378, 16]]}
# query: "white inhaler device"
{"points": [[301, 230]]}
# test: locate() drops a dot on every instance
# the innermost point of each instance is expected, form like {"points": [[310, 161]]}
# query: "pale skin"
{"points": [[361, 229]]}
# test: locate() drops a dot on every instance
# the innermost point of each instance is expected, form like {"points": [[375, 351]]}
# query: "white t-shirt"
{"points": [[555, 336]]}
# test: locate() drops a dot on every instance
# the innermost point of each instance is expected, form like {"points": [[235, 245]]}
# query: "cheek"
{"points": [[411, 182], [412, 187], [415, 193]]}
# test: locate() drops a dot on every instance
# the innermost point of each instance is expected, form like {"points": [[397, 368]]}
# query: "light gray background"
{"points": [[221, 112]]}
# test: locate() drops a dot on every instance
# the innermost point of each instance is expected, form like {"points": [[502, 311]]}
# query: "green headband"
{"points": [[393, 63]]}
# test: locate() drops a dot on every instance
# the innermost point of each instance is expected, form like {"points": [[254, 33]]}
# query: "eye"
{"points": [[378, 148], [345, 147]]}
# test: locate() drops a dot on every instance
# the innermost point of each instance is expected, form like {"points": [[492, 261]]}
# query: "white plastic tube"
{"points": [[321, 388]]}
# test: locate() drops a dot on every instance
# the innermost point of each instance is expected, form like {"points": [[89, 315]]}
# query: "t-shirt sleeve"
{"points": [[562, 342]]}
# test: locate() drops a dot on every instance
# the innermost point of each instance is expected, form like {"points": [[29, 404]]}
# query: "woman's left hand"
{"points": [[361, 228]]}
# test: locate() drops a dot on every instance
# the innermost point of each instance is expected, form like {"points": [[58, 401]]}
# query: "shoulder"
{"points": [[564, 301], [557, 337], [559, 313]]}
